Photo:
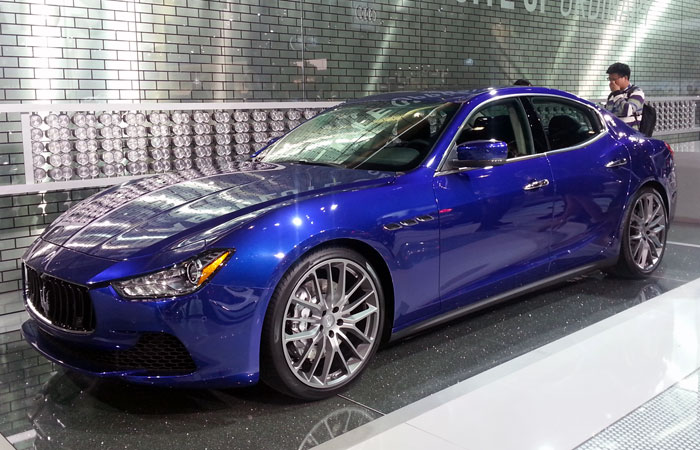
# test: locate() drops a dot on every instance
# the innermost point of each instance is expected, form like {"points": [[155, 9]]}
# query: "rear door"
{"points": [[591, 172], [494, 221]]}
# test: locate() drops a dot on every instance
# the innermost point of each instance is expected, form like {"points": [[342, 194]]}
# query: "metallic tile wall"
{"points": [[68, 51], [22, 219]]}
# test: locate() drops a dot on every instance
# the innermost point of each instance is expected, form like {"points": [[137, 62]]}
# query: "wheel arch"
{"points": [[653, 183], [620, 267], [381, 267], [378, 263], [269, 370], [650, 182], [662, 190]]}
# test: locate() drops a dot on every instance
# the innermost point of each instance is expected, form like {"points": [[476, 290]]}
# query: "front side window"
{"points": [[500, 121], [367, 135], [566, 124]]}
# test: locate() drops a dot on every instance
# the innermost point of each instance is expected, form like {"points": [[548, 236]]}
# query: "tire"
{"points": [[313, 346], [644, 234]]}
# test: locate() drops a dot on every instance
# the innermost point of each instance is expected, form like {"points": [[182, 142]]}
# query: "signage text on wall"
{"points": [[609, 10]]}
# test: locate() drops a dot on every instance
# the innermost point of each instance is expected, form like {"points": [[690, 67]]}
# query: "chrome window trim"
{"points": [[601, 121], [578, 146], [604, 130]]}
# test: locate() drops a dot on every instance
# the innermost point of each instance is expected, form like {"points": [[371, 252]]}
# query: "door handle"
{"points": [[616, 163], [537, 184]]}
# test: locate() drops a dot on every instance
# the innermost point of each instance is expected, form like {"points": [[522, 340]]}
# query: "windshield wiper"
{"points": [[315, 163]]}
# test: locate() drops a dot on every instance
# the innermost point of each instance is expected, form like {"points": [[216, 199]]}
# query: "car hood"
{"points": [[175, 209]]}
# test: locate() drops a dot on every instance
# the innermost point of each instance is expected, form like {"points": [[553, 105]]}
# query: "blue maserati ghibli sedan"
{"points": [[378, 218]]}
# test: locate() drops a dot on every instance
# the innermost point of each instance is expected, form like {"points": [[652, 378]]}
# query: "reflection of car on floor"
{"points": [[371, 221], [72, 412]]}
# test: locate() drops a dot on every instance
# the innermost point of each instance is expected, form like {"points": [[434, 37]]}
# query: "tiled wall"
{"points": [[267, 50], [11, 157], [22, 219], [78, 50]]}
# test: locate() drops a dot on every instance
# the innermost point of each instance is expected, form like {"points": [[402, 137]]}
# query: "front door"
{"points": [[494, 221]]}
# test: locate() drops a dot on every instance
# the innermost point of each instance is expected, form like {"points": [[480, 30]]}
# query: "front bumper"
{"points": [[208, 339]]}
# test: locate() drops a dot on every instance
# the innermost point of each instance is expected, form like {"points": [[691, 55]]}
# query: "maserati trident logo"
{"points": [[44, 299]]}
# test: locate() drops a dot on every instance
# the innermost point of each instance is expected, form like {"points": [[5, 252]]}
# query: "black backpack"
{"points": [[648, 122]]}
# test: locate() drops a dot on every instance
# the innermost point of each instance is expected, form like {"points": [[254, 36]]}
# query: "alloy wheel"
{"points": [[647, 231], [331, 323]]}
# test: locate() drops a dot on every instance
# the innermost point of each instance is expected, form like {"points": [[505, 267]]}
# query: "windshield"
{"points": [[368, 135]]}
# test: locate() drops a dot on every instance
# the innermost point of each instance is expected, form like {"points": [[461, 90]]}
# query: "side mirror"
{"points": [[481, 154]]}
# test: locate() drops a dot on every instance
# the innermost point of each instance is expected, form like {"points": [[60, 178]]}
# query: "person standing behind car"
{"points": [[626, 100]]}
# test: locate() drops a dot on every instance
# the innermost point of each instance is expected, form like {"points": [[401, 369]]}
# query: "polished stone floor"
{"points": [[627, 382], [42, 406]]}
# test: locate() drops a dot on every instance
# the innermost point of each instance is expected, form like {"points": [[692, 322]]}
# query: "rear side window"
{"points": [[566, 124]]}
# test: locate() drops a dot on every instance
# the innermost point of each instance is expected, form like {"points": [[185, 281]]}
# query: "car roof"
{"points": [[459, 96]]}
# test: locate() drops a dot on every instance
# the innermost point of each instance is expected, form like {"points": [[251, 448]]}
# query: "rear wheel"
{"points": [[644, 235], [323, 325]]}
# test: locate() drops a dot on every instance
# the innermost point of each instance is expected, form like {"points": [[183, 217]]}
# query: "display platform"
{"points": [[45, 407]]}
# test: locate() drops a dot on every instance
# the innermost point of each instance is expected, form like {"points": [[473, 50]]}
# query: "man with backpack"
{"points": [[626, 100]]}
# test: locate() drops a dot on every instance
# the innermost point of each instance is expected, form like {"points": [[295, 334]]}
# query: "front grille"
{"points": [[63, 304], [154, 353]]}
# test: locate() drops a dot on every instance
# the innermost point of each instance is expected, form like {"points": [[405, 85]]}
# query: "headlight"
{"points": [[181, 279]]}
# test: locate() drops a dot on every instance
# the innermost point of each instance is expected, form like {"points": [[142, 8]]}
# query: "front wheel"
{"points": [[644, 235], [323, 324]]}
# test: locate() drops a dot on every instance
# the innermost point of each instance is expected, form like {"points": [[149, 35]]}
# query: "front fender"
{"points": [[267, 247]]}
